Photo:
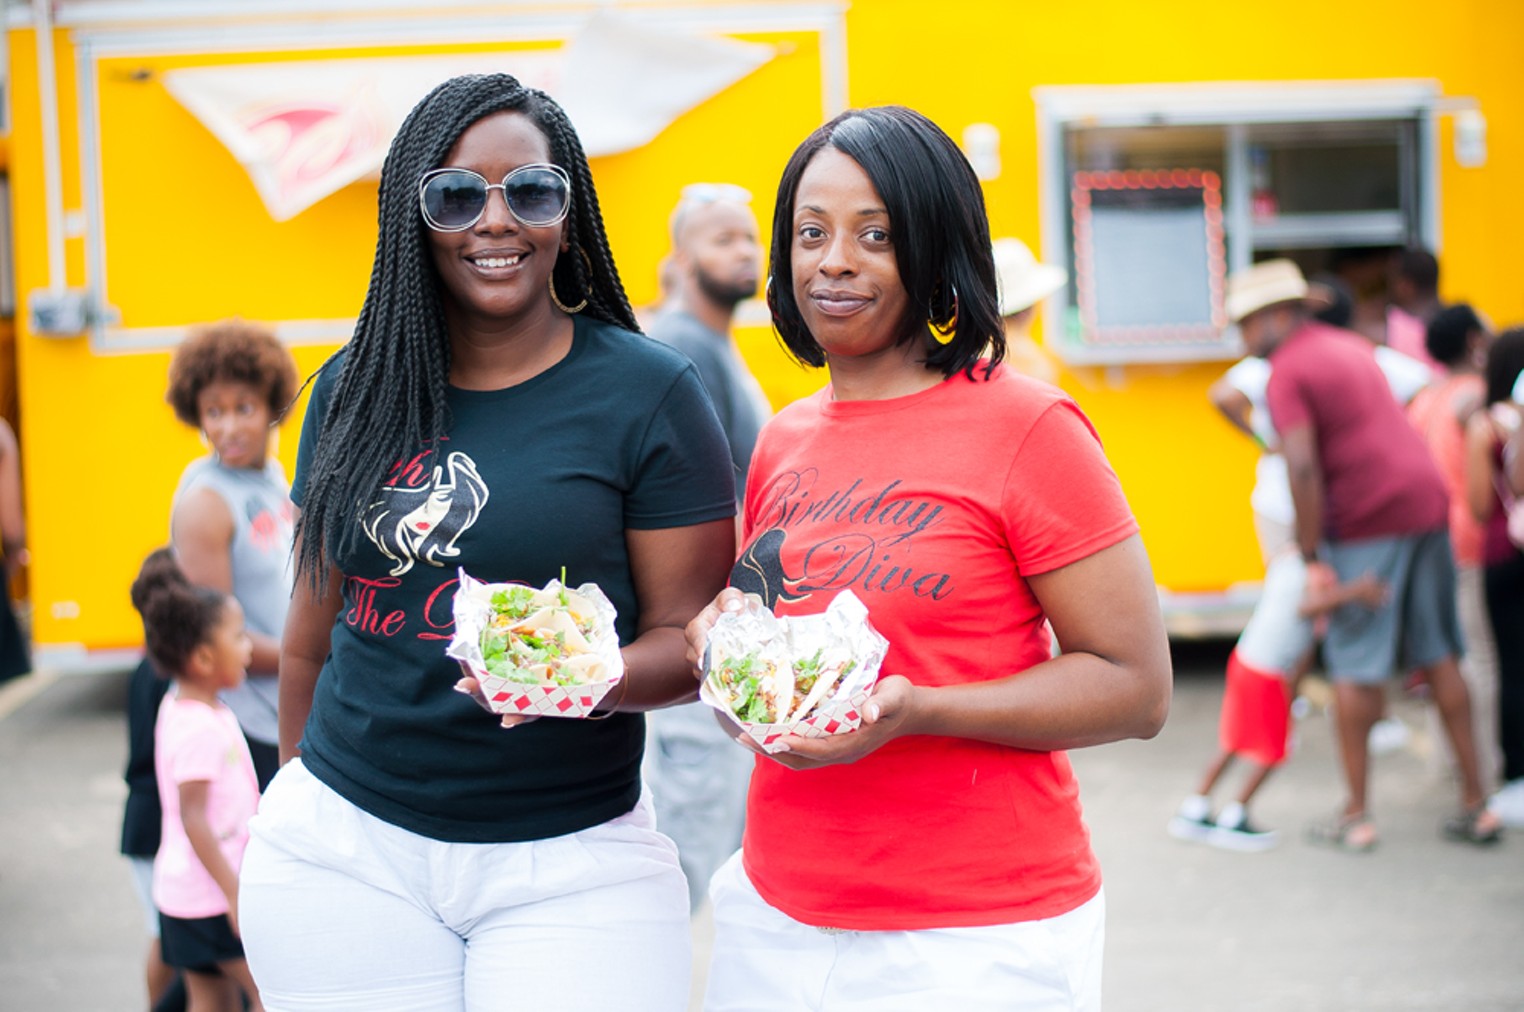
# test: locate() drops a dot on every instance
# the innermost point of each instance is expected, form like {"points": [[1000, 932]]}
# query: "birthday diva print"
{"points": [[860, 536]]}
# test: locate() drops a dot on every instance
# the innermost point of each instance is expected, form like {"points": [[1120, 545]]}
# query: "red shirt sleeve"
{"points": [[1062, 501], [1284, 396]]}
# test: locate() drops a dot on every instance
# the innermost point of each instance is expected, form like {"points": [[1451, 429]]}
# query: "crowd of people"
{"points": [[230, 533], [362, 832], [1383, 502], [413, 850]]}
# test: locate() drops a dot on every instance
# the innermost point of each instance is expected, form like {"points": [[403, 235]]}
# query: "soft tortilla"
{"points": [[554, 622], [831, 673]]}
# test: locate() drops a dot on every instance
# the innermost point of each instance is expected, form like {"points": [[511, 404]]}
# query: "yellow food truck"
{"points": [[173, 162]]}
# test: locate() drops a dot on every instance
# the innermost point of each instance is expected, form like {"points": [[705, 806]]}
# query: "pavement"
{"points": [[1420, 924]]}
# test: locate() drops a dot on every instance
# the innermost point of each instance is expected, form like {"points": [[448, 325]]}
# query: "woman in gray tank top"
{"points": [[232, 516]]}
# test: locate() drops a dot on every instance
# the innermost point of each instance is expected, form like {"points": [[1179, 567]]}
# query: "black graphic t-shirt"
{"points": [[547, 474]]}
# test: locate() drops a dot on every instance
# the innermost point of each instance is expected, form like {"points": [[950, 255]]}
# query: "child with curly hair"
{"points": [[231, 522], [206, 778]]}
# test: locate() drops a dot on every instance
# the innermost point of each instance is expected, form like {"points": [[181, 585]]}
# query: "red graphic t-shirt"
{"points": [[933, 509]]}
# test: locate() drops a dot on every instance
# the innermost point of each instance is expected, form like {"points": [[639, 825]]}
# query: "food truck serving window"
{"points": [[1153, 194]]}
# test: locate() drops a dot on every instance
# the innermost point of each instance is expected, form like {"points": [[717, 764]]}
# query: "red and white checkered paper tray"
{"points": [[842, 630], [473, 608]]}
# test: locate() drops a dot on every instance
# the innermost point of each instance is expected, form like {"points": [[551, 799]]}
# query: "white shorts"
{"points": [[765, 961], [342, 911], [1278, 635]]}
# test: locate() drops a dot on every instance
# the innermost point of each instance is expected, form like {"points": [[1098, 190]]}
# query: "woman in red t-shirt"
{"points": [[936, 855]]}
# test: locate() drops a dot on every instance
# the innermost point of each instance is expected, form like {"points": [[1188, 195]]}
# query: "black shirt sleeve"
{"points": [[684, 474], [312, 424]]}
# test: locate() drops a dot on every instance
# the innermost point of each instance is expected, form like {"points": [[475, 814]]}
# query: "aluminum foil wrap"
{"points": [[473, 609], [841, 632]]}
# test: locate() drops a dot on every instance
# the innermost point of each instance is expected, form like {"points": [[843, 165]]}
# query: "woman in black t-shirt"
{"points": [[495, 412]]}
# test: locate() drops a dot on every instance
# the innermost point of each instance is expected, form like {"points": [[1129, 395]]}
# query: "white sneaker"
{"points": [[1234, 831], [1193, 821], [1508, 804], [1389, 735]]}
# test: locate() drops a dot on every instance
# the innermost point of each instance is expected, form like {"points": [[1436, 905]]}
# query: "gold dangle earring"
{"points": [[571, 310], [943, 332]]}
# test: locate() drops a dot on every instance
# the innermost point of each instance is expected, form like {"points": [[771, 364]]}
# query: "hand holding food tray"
{"points": [[549, 652], [805, 675]]}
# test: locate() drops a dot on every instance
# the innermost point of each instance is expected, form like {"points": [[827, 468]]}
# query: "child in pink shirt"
{"points": [[206, 778]]}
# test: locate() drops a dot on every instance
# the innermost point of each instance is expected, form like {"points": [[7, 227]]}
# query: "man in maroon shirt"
{"points": [[1368, 499]]}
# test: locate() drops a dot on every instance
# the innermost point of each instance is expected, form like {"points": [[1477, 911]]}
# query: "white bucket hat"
{"points": [[1263, 285], [1023, 281]]}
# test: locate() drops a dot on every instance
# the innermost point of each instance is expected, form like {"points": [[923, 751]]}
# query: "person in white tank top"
{"points": [[231, 522]]}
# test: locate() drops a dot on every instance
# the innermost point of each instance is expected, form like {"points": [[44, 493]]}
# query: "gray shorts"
{"points": [[1418, 626]]}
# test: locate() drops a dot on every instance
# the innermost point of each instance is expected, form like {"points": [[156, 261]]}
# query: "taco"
{"points": [[541, 637], [815, 677], [756, 688], [803, 675]]}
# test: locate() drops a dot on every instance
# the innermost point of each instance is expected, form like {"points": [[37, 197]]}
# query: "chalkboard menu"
{"points": [[1149, 263]]}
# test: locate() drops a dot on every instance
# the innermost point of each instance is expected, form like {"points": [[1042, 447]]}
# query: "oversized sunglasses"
{"points": [[453, 200]]}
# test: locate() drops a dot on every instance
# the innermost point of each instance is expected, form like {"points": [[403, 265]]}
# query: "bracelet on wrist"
{"points": [[624, 688]]}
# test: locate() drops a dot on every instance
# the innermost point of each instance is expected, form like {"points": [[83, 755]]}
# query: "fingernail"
{"points": [[871, 711], [781, 748]]}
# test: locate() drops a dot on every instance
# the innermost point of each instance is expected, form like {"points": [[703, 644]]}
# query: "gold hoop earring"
{"points": [[551, 283], [943, 332]]}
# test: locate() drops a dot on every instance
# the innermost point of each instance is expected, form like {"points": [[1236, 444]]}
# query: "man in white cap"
{"points": [[1368, 500], [714, 266], [696, 774], [1023, 283]]}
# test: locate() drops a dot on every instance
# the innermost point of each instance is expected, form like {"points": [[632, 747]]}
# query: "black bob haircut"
{"points": [[1448, 333], [390, 397], [937, 224]]}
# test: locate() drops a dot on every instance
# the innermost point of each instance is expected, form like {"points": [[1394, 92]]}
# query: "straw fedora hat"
{"points": [[1023, 281], [1262, 285]]}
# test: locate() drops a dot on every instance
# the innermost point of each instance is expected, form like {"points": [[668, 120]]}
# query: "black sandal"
{"points": [[1475, 825], [1353, 833]]}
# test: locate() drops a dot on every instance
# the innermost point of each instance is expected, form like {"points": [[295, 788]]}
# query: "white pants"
{"points": [[342, 911], [765, 961]]}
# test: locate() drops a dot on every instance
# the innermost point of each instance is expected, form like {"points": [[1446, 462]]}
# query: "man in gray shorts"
{"points": [[1419, 630], [1368, 499]]}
